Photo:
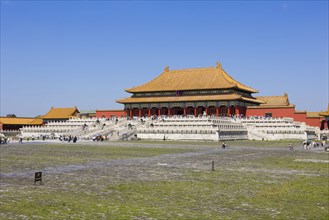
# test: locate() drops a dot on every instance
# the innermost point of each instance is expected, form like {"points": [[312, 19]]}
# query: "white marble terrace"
{"points": [[208, 128]]}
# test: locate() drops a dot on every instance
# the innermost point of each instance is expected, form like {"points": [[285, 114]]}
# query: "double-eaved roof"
{"points": [[228, 97], [191, 79]]}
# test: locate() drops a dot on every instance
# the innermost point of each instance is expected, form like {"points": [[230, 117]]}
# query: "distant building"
{"points": [[279, 106], [272, 106], [60, 114], [8, 123]]}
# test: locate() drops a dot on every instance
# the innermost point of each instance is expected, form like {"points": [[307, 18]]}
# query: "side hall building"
{"points": [[280, 106], [8, 123], [60, 114], [194, 91]]}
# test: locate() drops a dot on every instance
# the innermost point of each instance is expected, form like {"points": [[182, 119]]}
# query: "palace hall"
{"points": [[193, 91]]}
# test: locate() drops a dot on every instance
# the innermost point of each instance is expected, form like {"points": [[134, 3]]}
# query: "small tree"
{"points": [[11, 116]]}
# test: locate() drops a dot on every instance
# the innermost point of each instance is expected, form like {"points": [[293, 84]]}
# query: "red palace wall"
{"points": [[110, 113], [313, 121], [286, 112], [276, 112]]}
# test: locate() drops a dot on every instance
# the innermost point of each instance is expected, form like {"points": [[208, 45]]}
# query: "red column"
{"points": [[130, 112], [237, 110], [184, 111], [216, 111], [149, 112], [243, 110], [232, 111], [139, 112], [194, 111], [159, 112], [168, 111]]}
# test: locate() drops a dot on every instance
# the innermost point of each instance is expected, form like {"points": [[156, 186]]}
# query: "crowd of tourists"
{"points": [[99, 138], [68, 138], [4, 139]]}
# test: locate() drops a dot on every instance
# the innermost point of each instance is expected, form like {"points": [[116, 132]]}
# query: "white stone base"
{"points": [[196, 137]]}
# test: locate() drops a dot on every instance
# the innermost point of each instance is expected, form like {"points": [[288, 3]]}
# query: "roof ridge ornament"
{"points": [[166, 69], [218, 65]]}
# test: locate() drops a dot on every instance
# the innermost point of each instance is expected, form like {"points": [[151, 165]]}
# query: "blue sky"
{"points": [[85, 53]]}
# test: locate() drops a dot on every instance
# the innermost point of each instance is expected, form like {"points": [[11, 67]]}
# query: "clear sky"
{"points": [[85, 53]]}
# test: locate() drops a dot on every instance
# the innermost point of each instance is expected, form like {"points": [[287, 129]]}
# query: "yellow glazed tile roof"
{"points": [[110, 110], [20, 121], [325, 114], [274, 102], [191, 79], [313, 114], [187, 99], [60, 113], [300, 111]]}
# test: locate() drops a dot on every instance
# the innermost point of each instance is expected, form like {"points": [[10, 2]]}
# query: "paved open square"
{"points": [[164, 180]]}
